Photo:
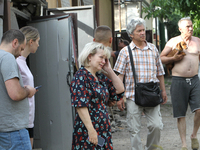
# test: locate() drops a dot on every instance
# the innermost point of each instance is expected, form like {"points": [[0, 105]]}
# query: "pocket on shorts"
{"points": [[5, 140]]}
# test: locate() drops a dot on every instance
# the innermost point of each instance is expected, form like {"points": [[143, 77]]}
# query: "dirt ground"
{"points": [[170, 139]]}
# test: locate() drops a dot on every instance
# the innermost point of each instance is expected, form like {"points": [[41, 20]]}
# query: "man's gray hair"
{"points": [[182, 19], [133, 23]]}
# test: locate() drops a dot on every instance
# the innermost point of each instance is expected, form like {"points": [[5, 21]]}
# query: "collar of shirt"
{"points": [[133, 46], [100, 76]]}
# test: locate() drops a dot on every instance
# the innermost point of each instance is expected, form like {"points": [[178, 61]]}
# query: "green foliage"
{"points": [[172, 9], [172, 26], [163, 9], [191, 8]]}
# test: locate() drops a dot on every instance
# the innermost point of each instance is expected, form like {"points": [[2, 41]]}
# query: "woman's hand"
{"points": [[121, 105], [85, 117], [93, 136], [111, 103], [107, 66]]}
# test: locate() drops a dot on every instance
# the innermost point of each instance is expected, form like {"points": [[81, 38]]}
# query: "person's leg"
{"points": [[194, 140], [30, 131], [31, 139], [195, 107], [15, 140], [154, 126], [5, 141], [134, 124], [21, 140], [196, 123], [181, 124], [180, 93]]}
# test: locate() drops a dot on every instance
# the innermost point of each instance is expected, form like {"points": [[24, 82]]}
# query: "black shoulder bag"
{"points": [[146, 94]]}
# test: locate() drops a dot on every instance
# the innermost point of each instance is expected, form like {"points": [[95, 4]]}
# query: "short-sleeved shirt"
{"points": [[147, 66], [94, 94], [13, 114], [27, 78]]}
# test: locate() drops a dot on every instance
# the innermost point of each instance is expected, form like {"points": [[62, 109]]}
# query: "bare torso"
{"points": [[189, 65]]}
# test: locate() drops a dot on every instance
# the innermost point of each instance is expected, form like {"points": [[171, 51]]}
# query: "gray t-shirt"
{"points": [[13, 114]]}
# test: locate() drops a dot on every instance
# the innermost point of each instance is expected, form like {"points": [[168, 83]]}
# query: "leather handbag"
{"points": [[146, 94]]}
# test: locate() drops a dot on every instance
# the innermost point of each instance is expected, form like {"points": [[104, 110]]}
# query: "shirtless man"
{"points": [[185, 87]]}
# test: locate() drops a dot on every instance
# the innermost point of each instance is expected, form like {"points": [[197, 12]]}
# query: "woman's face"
{"points": [[98, 60], [35, 45]]}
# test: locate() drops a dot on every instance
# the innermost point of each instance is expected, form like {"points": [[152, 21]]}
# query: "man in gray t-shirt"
{"points": [[14, 107]]}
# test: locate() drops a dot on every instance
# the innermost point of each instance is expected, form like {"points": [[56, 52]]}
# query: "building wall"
{"points": [[105, 13], [59, 3], [149, 22]]}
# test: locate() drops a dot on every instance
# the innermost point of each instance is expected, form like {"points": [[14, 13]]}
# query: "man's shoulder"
{"points": [[151, 44], [124, 50], [173, 41], [195, 38], [175, 38], [2, 52], [6, 55]]}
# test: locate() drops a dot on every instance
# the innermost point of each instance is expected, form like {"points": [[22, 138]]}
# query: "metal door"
{"points": [[52, 67]]}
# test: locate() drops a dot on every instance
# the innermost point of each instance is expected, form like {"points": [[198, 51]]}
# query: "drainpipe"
{"points": [[140, 9], [119, 7], [7, 16], [97, 11], [113, 24]]}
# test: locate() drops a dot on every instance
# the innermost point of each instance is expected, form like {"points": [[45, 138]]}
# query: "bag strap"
{"points": [[132, 63]]}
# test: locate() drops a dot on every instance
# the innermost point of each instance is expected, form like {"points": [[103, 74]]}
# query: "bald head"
{"points": [[103, 34]]}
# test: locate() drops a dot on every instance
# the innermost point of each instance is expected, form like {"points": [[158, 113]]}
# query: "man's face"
{"points": [[139, 34], [186, 28], [18, 49], [121, 45]]}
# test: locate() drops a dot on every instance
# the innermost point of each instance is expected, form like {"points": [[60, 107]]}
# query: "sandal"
{"points": [[184, 148], [194, 143]]}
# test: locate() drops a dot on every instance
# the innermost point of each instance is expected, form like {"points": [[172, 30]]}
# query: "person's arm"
{"points": [[162, 86], [16, 91], [199, 58], [117, 83], [166, 60], [113, 54], [85, 117], [120, 103]]}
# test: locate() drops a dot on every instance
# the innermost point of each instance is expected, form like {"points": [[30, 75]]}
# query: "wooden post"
{"points": [[119, 7], [52, 3], [7, 16]]}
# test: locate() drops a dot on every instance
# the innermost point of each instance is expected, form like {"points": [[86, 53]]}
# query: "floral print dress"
{"points": [[94, 94]]}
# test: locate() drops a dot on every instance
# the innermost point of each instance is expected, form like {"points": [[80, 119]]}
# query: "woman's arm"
{"points": [[85, 117], [117, 82]]}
